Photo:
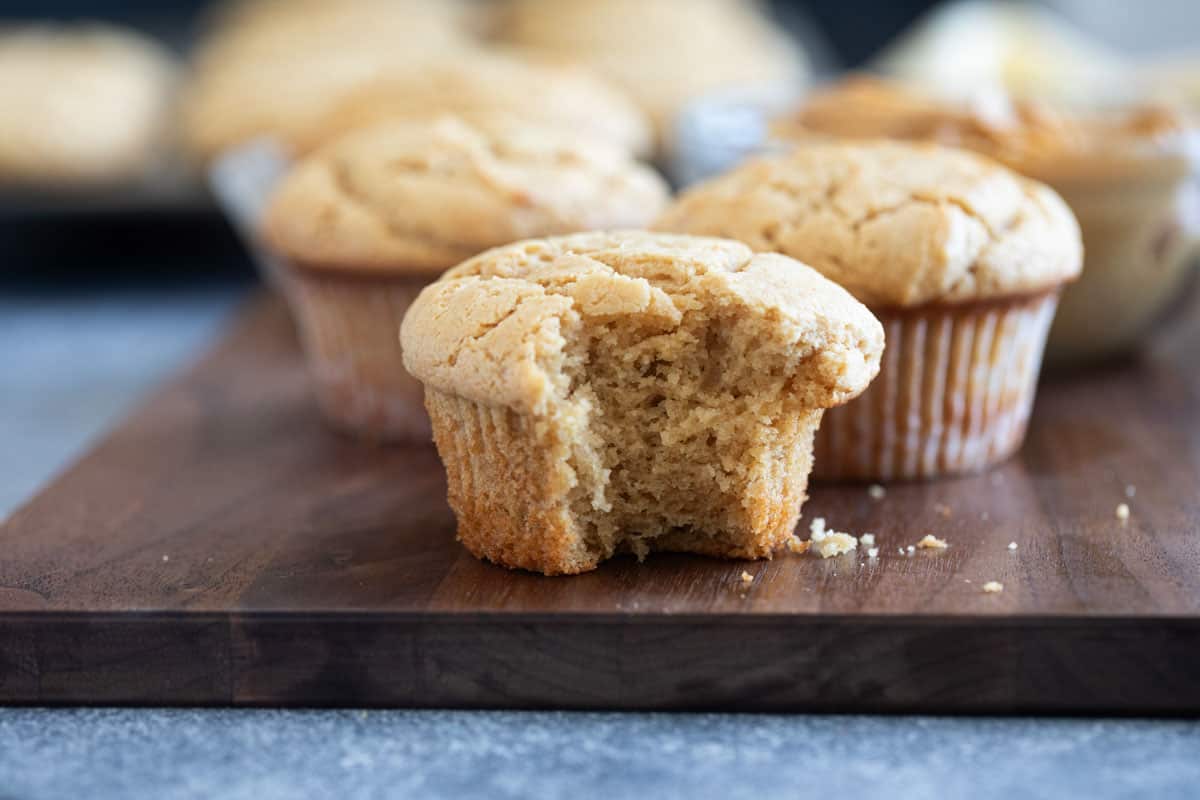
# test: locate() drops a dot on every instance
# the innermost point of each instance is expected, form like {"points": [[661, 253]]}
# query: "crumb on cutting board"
{"points": [[931, 542], [1012, 545], [993, 587], [797, 545], [876, 492], [836, 543], [1123, 512], [867, 540], [827, 543]]}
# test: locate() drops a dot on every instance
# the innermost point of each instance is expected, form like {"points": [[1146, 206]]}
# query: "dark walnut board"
{"points": [[222, 547]]}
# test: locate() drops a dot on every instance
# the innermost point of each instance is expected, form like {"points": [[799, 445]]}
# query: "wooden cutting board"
{"points": [[222, 547]]}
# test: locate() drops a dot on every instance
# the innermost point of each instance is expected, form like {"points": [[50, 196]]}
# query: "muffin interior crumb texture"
{"points": [[681, 407], [674, 427]]}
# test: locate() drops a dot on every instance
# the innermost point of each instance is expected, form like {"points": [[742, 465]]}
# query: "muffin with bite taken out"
{"points": [[631, 392]]}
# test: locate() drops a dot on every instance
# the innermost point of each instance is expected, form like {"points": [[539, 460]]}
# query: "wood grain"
{"points": [[222, 547]]}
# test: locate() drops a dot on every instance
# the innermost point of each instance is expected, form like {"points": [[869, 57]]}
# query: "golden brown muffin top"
{"points": [[897, 224], [494, 330], [421, 196]]}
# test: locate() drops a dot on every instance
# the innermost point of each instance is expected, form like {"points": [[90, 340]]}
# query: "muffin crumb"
{"points": [[797, 545], [876, 491], [747, 579], [993, 587], [640, 548], [873, 552], [835, 543], [1012, 545], [829, 543], [1123, 512], [931, 542], [908, 551], [816, 529], [867, 540]]}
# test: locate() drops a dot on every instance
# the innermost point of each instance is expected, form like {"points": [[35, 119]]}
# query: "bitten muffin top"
{"points": [[421, 196], [896, 224], [1032, 137], [495, 329]]}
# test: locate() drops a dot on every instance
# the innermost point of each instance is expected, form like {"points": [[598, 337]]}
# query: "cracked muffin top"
{"points": [[500, 328], [421, 196], [897, 224]]}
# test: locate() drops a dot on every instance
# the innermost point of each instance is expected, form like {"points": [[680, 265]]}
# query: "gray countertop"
{"points": [[73, 365]]}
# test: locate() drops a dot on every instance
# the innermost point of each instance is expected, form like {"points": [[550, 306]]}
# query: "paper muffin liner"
{"points": [[505, 480], [509, 476], [350, 329], [953, 394]]}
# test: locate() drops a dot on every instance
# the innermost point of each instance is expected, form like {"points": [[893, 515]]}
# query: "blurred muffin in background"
{"points": [[444, 20], [663, 52], [1128, 174], [1022, 49], [365, 222], [482, 83], [274, 67], [1173, 79], [82, 105]]}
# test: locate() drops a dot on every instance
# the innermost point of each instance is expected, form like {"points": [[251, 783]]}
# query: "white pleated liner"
{"points": [[953, 394], [350, 329]]}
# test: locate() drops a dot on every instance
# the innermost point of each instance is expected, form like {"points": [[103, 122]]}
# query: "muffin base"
{"points": [[953, 395], [350, 329], [510, 484]]}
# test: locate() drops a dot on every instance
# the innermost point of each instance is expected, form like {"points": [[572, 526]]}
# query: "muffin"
{"points": [[631, 392], [1127, 175], [275, 67], [365, 222], [960, 258], [307, 73], [1027, 49], [664, 53], [483, 83], [82, 105]]}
